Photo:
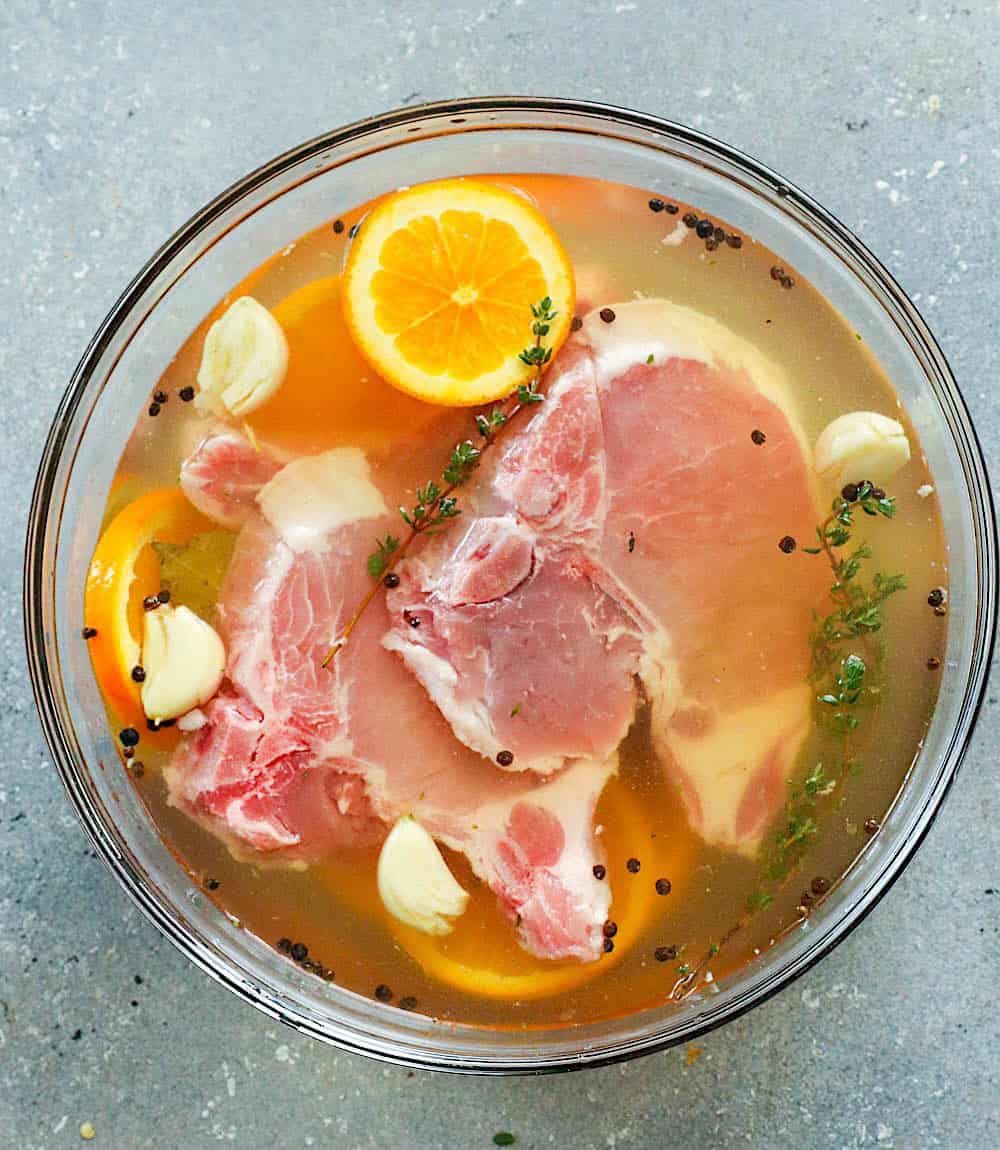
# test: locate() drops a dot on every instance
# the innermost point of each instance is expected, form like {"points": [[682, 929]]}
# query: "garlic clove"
{"points": [[244, 360], [414, 881], [861, 445], [184, 660]]}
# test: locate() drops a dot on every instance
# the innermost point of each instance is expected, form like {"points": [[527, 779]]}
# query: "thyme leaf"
{"points": [[378, 561]]}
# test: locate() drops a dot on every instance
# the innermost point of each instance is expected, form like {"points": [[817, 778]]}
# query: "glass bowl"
{"points": [[260, 215]]}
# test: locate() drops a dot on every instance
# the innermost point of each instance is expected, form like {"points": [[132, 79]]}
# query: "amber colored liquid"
{"points": [[615, 243]]}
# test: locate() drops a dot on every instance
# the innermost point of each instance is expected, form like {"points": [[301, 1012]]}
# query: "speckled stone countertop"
{"points": [[117, 121]]}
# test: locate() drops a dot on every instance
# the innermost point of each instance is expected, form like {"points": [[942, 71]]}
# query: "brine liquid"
{"points": [[616, 244]]}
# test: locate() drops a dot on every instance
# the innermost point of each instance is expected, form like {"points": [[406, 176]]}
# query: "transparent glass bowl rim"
{"points": [[45, 521]]}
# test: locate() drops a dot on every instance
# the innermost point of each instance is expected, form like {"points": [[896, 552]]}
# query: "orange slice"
{"points": [[330, 395], [123, 571], [439, 285], [480, 956]]}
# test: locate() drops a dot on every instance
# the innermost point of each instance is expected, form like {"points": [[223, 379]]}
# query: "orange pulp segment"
{"points": [[439, 284]]}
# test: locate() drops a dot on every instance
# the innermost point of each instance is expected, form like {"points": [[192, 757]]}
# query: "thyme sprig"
{"points": [[844, 681], [436, 504]]}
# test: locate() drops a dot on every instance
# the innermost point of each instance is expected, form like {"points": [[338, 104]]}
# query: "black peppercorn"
{"points": [[777, 273], [186, 393], [154, 409], [382, 992], [607, 315], [720, 234], [820, 885], [786, 544], [338, 226], [787, 282], [665, 953], [150, 603], [656, 205], [758, 437], [299, 951], [663, 886], [128, 737], [138, 675], [871, 826], [163, 595], [734, 241], [284, 945], [610, 929], [936, 597], [609, 945], [160, 397], [576, 323], [711, 244], [849, 492], [633, 866], [391, 580], [211, 884], [672, 209], [505, 758], [690, 219], [933, 663], [600, 872], [704, 228], [89, 632], [408, 1003]]}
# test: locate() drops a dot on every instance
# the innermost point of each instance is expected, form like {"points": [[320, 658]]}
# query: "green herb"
{"points": [[846, 661], [683, 968], [193, 572], [759, 900], [516, 710], [436, 504], [504, 1138], [378, 561], [489, 425], [649, 358], [845, 680], [850, 683]]}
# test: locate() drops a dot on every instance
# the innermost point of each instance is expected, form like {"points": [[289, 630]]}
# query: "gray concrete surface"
{"points": [[116, 122]]}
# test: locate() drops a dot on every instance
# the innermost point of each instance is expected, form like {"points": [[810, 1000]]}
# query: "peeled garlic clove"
{"points": [[184, 661], [861, 445], [244, 360], [414, 881]]}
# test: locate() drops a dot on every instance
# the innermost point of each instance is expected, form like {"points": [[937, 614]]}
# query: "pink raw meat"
{"points": [[223, 474], [288, 727], [638, 470]]}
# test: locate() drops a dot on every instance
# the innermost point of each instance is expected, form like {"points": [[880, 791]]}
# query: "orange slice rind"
{"points": [[480, 957], [123, 571]]}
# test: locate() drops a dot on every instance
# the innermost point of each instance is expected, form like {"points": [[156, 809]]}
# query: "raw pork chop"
{"points": [[639, 472], [223, 474], [361, 740]]}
